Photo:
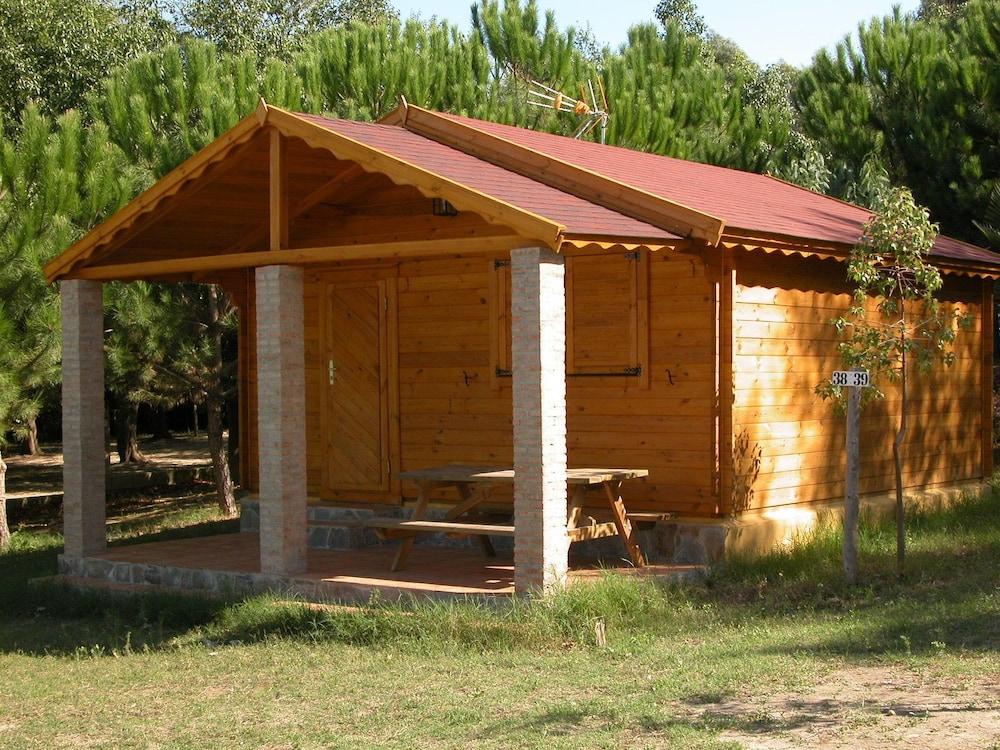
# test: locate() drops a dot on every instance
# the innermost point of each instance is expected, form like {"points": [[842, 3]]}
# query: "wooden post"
{"points": [[851, 501], [988, 323], [278, 193]]}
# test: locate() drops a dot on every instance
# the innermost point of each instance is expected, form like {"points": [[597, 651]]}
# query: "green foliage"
{"points": [[270, 28], [890, 267], [683, 13], [990, 225], [57, 178], [920, 97], [53, 52]]}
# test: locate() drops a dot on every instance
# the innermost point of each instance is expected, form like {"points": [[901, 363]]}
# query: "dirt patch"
{"points": [[880, 708]]}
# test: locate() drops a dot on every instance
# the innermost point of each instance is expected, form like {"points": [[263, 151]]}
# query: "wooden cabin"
{"points": [[697, 302]]}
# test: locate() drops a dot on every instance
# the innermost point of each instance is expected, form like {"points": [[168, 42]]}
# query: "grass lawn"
{"points": [[770, 653]]}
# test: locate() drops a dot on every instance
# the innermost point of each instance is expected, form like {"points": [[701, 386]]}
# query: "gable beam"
{"points": [[583, 183], [298, 257]]}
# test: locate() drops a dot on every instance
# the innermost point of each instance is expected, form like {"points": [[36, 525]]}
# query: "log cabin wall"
{"points": [[784, 346], [651, 311]]}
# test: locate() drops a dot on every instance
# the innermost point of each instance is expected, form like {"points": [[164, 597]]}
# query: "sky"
{"points": [[789, 30]]}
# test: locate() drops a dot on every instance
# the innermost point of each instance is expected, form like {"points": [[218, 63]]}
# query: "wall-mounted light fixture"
{"points": [[441, 207]]}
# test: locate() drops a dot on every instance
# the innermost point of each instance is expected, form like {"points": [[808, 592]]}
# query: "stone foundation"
{"points": [[707, 540], [220, 582], [681, 541]]}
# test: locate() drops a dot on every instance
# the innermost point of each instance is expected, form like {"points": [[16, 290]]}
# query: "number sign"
{"points": [[851, 378]]}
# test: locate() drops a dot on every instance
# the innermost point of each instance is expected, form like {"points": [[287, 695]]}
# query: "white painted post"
{"points": [[538, 344], [281, 414], [83, 417]]}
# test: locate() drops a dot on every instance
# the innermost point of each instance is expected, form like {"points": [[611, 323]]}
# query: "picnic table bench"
{"points": [[474, 484]]}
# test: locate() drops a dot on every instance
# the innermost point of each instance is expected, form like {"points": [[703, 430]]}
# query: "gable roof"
{"points": [[750, 203], [546, 188]]}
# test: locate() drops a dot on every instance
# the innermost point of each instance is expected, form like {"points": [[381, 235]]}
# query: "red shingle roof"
{"points": [[745, 200], [578, 215]]}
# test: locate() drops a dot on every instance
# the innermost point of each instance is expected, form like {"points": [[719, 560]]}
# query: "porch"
{"points": [[229, 564]]}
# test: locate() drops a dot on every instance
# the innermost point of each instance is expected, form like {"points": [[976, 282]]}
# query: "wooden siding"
{"points": [[784, 346], [450, 336], [453, 408]]}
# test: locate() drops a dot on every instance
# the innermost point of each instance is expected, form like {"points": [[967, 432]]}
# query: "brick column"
{"points": [[538, 343], [281, 419], [83, 417]]}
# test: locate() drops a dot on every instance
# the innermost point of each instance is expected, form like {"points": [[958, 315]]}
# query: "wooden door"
{"points": [[356, 377]]}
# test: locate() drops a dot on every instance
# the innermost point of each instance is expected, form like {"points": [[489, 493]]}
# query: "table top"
{"points": [[465, 473]]}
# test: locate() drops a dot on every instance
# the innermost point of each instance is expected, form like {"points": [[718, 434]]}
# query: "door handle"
{"points": [[331, 371]]}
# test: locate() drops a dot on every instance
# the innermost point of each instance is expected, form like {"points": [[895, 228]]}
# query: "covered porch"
{"points": [[292, 168]]}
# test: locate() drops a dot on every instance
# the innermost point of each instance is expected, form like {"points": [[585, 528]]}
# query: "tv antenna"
{"points": [[592, 115]]}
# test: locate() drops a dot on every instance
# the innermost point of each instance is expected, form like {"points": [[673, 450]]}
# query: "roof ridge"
{"points": [[573, 179]]}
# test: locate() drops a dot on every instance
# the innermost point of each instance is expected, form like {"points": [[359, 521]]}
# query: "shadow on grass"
{"points": [[949, 600], [635, 722]]}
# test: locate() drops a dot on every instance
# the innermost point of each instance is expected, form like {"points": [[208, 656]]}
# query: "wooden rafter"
{"points": [[296, 256], [310, 201], [584, 183]]}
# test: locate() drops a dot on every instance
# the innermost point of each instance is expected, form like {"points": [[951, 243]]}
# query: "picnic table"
{"points": [[474, 485]]}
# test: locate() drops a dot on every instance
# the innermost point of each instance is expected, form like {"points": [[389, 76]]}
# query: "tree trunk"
{"points": [[213, 406], [897, 455], [4, 528], [233, 444], [194, 413], [220, 460], [851, 501], [128, 435], [31, 441], [161, 425]]}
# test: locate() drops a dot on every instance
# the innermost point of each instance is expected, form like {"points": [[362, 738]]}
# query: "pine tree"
{"points": [[56, 179], [920, 98]]}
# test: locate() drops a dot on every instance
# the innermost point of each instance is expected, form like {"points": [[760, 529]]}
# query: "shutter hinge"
{"points": [[498, 264], [634, 255]]}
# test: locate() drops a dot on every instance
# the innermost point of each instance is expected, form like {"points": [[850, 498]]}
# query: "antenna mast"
{"points": [[540, 95]]}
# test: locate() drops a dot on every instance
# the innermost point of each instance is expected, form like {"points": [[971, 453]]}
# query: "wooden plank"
{"points": [[294, 256], [725, 386], [612, 489], [463, 473], [593, 531], [277, 193]]}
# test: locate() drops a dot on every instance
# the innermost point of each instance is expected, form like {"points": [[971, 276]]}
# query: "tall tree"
{"points": [[270, 28], [53, 52], [683, 13], [921, 98], [9, 396], [56, 178]]}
